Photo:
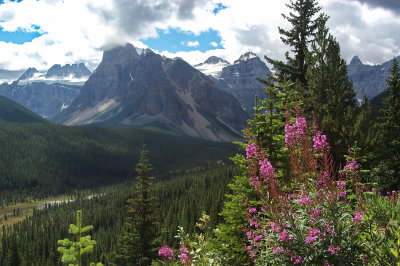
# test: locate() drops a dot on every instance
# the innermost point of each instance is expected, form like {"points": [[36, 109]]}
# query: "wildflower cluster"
{"points": [[313, 222]]}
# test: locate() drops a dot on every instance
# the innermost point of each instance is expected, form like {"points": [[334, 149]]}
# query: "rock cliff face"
{"points": [[47, 93], [131, 89], [241, 79], [368, 80]]}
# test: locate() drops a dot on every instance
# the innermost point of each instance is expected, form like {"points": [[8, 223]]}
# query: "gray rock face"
{"points": [[74, 70], [368, 80], [48, 93], [129, 89], [240, 79]]}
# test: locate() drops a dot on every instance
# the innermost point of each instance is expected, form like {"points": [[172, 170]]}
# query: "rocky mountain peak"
{"points": [[28, 73], [215, 60], [355, 61], [247, 56], [120, 54], [68, 70]]}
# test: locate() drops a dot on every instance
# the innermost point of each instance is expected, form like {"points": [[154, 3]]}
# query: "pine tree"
{"points": [[388, 170], [330, 96], [298, 38], [73, 251], [138, 243]]}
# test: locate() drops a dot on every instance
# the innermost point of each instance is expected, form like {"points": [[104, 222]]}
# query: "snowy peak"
{"points": [[212, 66], [29, 73], [246, 57], [74, 70], [69, 74], [215, 60]]}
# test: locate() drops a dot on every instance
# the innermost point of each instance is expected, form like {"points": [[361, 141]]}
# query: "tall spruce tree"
{"points": [[138, 243], [297, 38], [330, 96], [388, 153]]}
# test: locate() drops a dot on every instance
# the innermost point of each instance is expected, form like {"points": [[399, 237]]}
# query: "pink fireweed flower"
{"points": [[312, 235], [342, 194], [184, 255], [341, 184], [296, 259], [258, 238], [294, 132], [255, 182], [358, 217], [283, 236], [266, 170], [333, 250], [251, 150], [254, 224], [166, 253], [320, 144], [275, 227], [277, 250], [252, 210], [315, 214], [249, 235], [351, 166], [304, 200]]}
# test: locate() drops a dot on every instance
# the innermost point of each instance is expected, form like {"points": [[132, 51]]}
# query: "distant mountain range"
{"points": [[132, 89], [368, 80], [47, 93]]}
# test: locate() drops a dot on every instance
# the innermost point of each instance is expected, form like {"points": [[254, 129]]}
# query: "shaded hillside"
{"points": [[13, 112], [51, 159]]}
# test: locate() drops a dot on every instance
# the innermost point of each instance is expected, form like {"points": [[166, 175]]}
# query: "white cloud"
{"points": [[191, 43], [214, 44], [78, 31]]}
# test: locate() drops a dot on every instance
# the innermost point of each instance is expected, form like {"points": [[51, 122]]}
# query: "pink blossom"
{"points": [[258, 238], [312, 235], [315, 214], [184, 254], [283, 236], [255, 182], [351, 166], [266, 170], [249, 235], [277, 250], [320, 143], [275, 227], [254, 224], [333, 250], [342, 194], [304, 200], [251, 150], [252, 210], [341, 184], [294, 132], [166, 253], [358, 217], [296, 259]]}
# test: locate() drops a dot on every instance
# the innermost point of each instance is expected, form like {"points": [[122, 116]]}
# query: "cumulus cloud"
{"points": [[78, 31], [387, 4]]}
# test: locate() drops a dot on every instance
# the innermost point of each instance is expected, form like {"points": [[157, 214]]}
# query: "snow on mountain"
{"points": [[212, 66], [245, 57], [75, 74]]}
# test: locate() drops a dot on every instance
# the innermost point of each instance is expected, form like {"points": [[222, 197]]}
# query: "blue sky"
{"points": [[175, 40], [20, 36]]}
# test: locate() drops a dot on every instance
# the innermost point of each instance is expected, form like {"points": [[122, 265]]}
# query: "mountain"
{"points": [[368, 80], [131, 89], [212, 66], [12, 112], [240, 79], [8, 76], [47, 93]]}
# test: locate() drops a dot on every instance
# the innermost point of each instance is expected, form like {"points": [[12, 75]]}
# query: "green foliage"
{"points": [[139, 239], [12, 112], [73, 251], [303, 26], [387, 171], [41, 160]]}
